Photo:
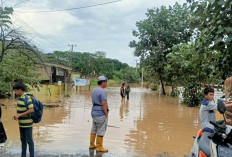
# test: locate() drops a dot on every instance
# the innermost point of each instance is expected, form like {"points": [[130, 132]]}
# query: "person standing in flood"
{"points": [[99, 115], [3, 136], [122, 91], [23, 116], [127, 91]]}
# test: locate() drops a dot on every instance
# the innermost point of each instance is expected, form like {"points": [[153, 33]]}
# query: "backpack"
{"points": [[38, 109], [128, 89]]}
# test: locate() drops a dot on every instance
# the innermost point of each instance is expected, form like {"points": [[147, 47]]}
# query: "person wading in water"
{"points": [[122, 92], [127, 91], [99, 115]]}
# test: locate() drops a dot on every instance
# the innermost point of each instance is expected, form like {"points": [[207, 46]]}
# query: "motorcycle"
{"points": [[221, 141]]}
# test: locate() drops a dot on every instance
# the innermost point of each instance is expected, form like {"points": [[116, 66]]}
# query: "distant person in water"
{"points": [[3, 137], [127, 90], [122, 91]]}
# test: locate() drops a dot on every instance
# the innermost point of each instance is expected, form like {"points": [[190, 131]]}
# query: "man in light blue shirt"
{"points": [[99, 114]]}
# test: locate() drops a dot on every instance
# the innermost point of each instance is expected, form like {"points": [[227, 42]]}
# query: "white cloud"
{"points": [[49, 24], [103, 28]]}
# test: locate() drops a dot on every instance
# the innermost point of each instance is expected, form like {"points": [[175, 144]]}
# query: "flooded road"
{"points": [[146, 125]]}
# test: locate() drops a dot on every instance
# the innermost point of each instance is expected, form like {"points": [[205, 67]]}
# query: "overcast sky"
{"points": [[105, 28]]}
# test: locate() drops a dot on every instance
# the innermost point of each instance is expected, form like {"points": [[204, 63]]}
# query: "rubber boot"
{"points": [[92, 141], [99, 145]]}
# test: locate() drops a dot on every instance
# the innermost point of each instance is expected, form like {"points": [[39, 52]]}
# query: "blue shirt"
{"points": [[98, 95]]}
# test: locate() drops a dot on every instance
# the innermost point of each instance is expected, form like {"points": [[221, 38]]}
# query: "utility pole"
{"points": [[136, 65], [72, 46], [142, 76], [71, 58]]}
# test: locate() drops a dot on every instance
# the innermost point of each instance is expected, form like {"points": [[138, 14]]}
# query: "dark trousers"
{"points": [[127, 95], [3, 137], [26, 138]]}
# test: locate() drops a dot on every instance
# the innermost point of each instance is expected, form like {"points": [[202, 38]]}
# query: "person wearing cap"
{"points": [[99, 115]]}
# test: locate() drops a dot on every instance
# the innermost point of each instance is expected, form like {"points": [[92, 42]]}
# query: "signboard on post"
{"points": [[80, 82], [59, 83]]}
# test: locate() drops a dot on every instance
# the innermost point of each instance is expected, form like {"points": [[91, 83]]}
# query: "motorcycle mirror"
{"points": [[221, 106]]}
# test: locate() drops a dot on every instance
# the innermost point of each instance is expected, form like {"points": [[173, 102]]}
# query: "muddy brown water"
{"points": [[146, 125]]}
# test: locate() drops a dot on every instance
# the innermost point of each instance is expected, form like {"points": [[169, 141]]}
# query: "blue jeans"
{"points": [[26, 137]]}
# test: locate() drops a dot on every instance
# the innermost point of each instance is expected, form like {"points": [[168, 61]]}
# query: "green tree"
{"points": [[17, 56], [16, 67], [163, 28], [11, 39], [189, 68], [128, 75], [87, 64], [213, 20]]}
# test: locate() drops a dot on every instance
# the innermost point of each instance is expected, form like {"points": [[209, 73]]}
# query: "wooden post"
{"points": [[13, 95], [59, 84], [89, 85]]}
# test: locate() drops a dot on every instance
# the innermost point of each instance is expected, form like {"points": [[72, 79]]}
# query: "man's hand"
{"points": [[228, 104], [16, 117], [228, 121]]}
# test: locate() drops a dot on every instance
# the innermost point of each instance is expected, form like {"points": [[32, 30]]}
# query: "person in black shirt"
{"points": [[122, 91]]}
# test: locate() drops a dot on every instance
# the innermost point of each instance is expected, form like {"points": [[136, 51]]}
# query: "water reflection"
{"points": [[124, 109], [146, 125], [94, 153], [165, 129]]}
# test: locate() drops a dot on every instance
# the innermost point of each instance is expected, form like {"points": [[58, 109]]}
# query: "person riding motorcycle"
{"points": [[208, 113]]}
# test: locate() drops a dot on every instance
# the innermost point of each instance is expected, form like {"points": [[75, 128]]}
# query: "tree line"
{"points": [[94, 64]]}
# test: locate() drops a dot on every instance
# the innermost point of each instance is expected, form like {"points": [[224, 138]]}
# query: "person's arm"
{"points": [[31, 110], [104, 107], [210, 106], [228, 104]]}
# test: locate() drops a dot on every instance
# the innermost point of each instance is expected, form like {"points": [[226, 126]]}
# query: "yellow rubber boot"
{"points": [[99, 145], [92, 141]]}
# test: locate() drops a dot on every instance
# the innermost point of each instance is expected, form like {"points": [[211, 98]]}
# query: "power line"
{"points": [[69, 9], [32, 37], [20, 3], [25, 24], [27, 29]]}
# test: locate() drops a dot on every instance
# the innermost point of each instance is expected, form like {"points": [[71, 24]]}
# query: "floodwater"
{"points": [[146, 125]]}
